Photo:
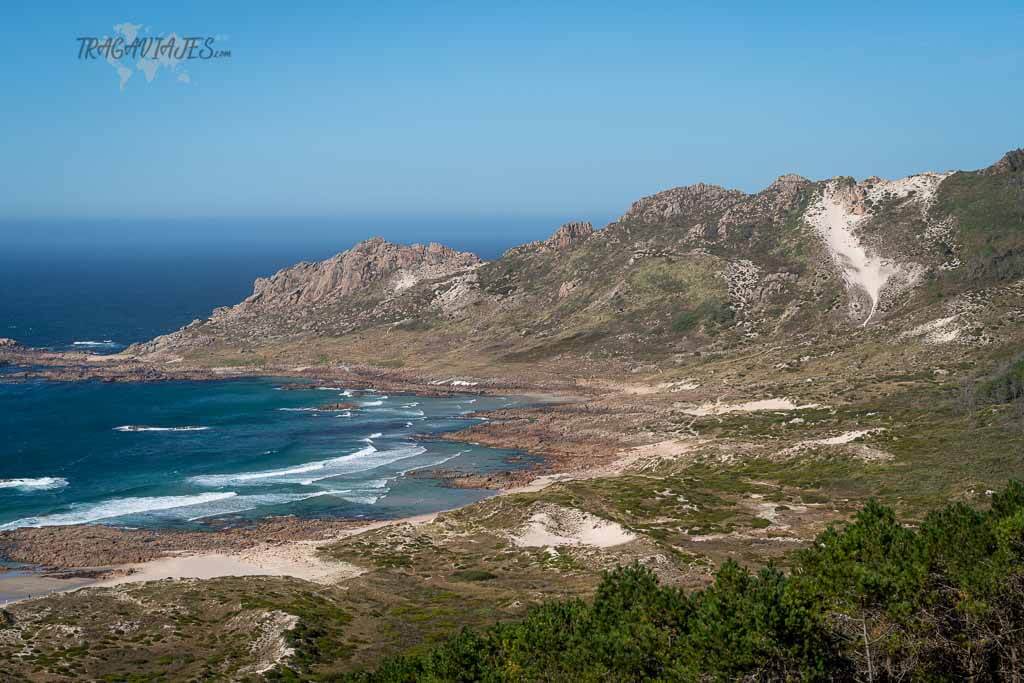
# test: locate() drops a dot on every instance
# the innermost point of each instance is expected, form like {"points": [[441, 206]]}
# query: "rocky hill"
{"points": [[692, 269]]}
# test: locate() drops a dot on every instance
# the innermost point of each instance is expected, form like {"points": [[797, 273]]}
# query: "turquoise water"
{"points": [[185, 454]]}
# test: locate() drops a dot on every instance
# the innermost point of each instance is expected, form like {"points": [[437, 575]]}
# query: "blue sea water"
{"points": [[102, 300], [106, 297], [183, 454]]}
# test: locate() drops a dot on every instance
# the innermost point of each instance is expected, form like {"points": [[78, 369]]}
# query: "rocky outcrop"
{"points": [[691, 200], [364, 265], [769, 207], [7, 343], [570, 234], [1012, 162]]}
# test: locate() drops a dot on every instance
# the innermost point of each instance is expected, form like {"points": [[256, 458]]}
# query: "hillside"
{"points": [[691, 269]]}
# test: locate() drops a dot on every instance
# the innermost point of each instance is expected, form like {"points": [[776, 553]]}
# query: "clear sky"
{"points": [[423, 120]]}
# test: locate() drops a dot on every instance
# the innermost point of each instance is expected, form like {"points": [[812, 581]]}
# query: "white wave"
{"points": [[143, 428], [368, 493], [117, 507], [408, 424], [375, 435], [411, 405], [345, 414], [371, 403], [236, 504], [366, 458], [346, 393], [330, 389], [109, 343], [310, 410], [434, 463], [37, 484]]}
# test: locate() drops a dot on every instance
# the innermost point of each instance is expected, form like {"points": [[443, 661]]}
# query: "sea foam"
{"points": [[366, 458], [106, 343], [117, 507], [144, 428], [37, 484]]}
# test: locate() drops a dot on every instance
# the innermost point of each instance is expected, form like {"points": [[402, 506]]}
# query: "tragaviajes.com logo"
{"points": [[133, 48]]}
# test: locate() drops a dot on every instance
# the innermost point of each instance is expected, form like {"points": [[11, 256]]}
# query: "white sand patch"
{"points": [[269, 647], [832, 216], [553, 526], [846, 437], [837, 214], [540, 483], [631, 459], [455, 382], [681, 385], [403, 280], [935, 332], [923, 186], [860, 451], [719, 408], [298, 559], [661, 449]]}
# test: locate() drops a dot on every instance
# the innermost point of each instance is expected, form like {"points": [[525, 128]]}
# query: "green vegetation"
{"points": [[873, 601], [474, 575], [711, 312], [990, 212], [1005, 385]]}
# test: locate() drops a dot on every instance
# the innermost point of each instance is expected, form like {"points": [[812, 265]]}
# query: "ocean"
{"points": [[105, 299], [185, 454]]}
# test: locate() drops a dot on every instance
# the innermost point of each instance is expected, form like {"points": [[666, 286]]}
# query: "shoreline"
{"points": [[260, 549], [288, 558], [28, 364]]}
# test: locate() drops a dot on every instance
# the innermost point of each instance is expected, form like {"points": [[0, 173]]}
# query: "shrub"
{"points": [[875, 599]]}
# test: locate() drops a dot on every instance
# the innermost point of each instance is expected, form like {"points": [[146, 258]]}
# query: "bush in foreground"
{"points": [[873, 601]]}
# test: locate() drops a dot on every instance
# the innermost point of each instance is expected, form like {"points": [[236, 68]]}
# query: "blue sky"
{"points": [[440, 120]]}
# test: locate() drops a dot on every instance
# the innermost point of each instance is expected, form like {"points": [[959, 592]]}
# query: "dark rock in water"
{"points": [[338, 406], [468, 480]]}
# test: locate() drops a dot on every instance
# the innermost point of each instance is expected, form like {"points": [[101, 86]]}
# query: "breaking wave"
{"points": [[366, 458], [117, 507], [144, 428], [105, 344], [37, 484]]}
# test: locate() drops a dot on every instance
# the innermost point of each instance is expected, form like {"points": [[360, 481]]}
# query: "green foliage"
{"points": [[990, 212], [474, 575], [872, 600], [709, 312], [1005, 385]]}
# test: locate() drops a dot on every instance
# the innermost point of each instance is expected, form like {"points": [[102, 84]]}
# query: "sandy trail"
{"points": [[298, 559], [719, 408]]}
